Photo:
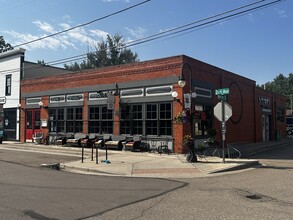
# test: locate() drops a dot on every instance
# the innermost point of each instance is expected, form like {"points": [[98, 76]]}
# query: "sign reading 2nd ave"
{"points": [[224, 91]]}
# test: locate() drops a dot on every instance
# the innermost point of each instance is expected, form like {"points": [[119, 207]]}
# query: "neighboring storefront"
{"points": [[145, 99]]}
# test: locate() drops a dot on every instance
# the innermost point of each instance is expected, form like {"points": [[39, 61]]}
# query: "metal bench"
{"points": [[115, 142], [100, 140], [133, 143], [76, 140]]}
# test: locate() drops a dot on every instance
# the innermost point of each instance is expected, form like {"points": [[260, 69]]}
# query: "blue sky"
{"points": [[257, 45]]}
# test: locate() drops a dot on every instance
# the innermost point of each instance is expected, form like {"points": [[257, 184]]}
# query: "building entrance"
{"points": [[33, 123], [10, 124], [266, 127]]}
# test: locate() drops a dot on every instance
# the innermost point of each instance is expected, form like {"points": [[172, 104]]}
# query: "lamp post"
{"points": [[182, 83]]}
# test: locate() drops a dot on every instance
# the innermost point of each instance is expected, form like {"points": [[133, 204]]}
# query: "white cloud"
{"points": [[251, 17], [136, 32], [44, 26], [282, 13], [76, 38], [102, 35]]}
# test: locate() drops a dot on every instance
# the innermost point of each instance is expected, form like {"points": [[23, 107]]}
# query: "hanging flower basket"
{"points": [[181, 117]]}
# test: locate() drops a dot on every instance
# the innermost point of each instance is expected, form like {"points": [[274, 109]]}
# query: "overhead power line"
{"points": [[81, 25], [198, 24], [184, 29]]}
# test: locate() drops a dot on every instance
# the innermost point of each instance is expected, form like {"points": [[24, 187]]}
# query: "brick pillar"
{"points": [[116, 116], [44, 114], [22, 121], [85, 113]]}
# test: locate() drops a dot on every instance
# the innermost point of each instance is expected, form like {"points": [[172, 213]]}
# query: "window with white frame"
{"points": [[8, 85]]}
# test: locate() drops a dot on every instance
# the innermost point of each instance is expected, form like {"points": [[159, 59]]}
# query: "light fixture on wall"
{"points": [[41, 104], [175, 96]]}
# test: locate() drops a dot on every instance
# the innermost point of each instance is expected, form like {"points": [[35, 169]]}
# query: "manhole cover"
{"points": [[254, 197]]}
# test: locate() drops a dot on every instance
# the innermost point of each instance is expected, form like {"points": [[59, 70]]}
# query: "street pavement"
{"points": [[143, 164]]}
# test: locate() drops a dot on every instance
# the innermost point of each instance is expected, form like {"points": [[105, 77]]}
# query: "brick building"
{"points": [[148, 101]]}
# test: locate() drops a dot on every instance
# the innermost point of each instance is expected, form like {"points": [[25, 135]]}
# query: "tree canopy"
{"points": [[110, 52], [282, 85], [4, 46]]}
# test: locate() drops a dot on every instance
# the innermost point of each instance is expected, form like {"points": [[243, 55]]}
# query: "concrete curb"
{"points": [[246, 165]]}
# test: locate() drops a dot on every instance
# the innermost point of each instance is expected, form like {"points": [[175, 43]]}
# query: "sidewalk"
{"points": [[138, 164]]}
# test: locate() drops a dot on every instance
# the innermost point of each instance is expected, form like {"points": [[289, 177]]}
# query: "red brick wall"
{"points": [[245, 124]]}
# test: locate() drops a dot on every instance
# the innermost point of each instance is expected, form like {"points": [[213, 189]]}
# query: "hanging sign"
{"points": [[2, 100], [187, 101], [110, 101]]}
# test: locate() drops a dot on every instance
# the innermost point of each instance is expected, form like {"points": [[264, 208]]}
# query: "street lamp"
{"points": [[182, 83]]}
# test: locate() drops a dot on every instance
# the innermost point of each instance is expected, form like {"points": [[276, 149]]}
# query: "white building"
{"points": [[11, 72]]}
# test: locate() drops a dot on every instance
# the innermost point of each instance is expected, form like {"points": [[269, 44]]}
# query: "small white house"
{"points": [[11, 72]]}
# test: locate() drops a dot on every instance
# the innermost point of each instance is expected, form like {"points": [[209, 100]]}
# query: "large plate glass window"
{"points": [[131, 119], [159, 119], [57, 120], [100, 120], [74, 120]]}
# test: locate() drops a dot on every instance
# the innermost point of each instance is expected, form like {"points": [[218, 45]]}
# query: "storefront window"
{"points": [[202, 118], [56, 117], [131, 119], [72, 121], [159, 119], [100, 120]]}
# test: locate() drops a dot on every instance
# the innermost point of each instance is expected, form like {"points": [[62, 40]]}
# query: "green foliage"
{"points": [[282, 85], [108, 53], [4, 46]]}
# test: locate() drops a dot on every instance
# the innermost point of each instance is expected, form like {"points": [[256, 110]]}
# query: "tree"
{"points": [[41, 62], [108, 53], [4, 46], [282, 85]]}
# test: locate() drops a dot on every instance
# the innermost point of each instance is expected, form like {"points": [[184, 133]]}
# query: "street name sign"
{"points": [[223, 91]]}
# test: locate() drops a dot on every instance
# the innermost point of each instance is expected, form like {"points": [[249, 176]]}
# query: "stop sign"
{"points": [[218, 113]]}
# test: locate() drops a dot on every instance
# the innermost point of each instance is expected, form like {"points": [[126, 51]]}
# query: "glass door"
{"points": [[33, 123]]}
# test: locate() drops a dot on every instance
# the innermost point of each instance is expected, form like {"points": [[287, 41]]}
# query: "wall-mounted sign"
{"points": [[31, 101], [110, 101], [74, 97], [44, 123], [132, 93], [187, 100], [2, 100], [162, 90], [264, 100], [60, 98], [97, 95]]}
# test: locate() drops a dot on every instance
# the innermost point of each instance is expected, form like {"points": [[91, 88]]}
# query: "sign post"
{"points": [[1, 123], [223, 111]]}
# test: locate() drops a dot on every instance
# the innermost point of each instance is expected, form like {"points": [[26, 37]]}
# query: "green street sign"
{"points": [[222, 98], [224, 91]]}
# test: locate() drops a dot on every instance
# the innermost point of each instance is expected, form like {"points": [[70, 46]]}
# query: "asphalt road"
{"points": [[29, 191], [260, 193]]}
